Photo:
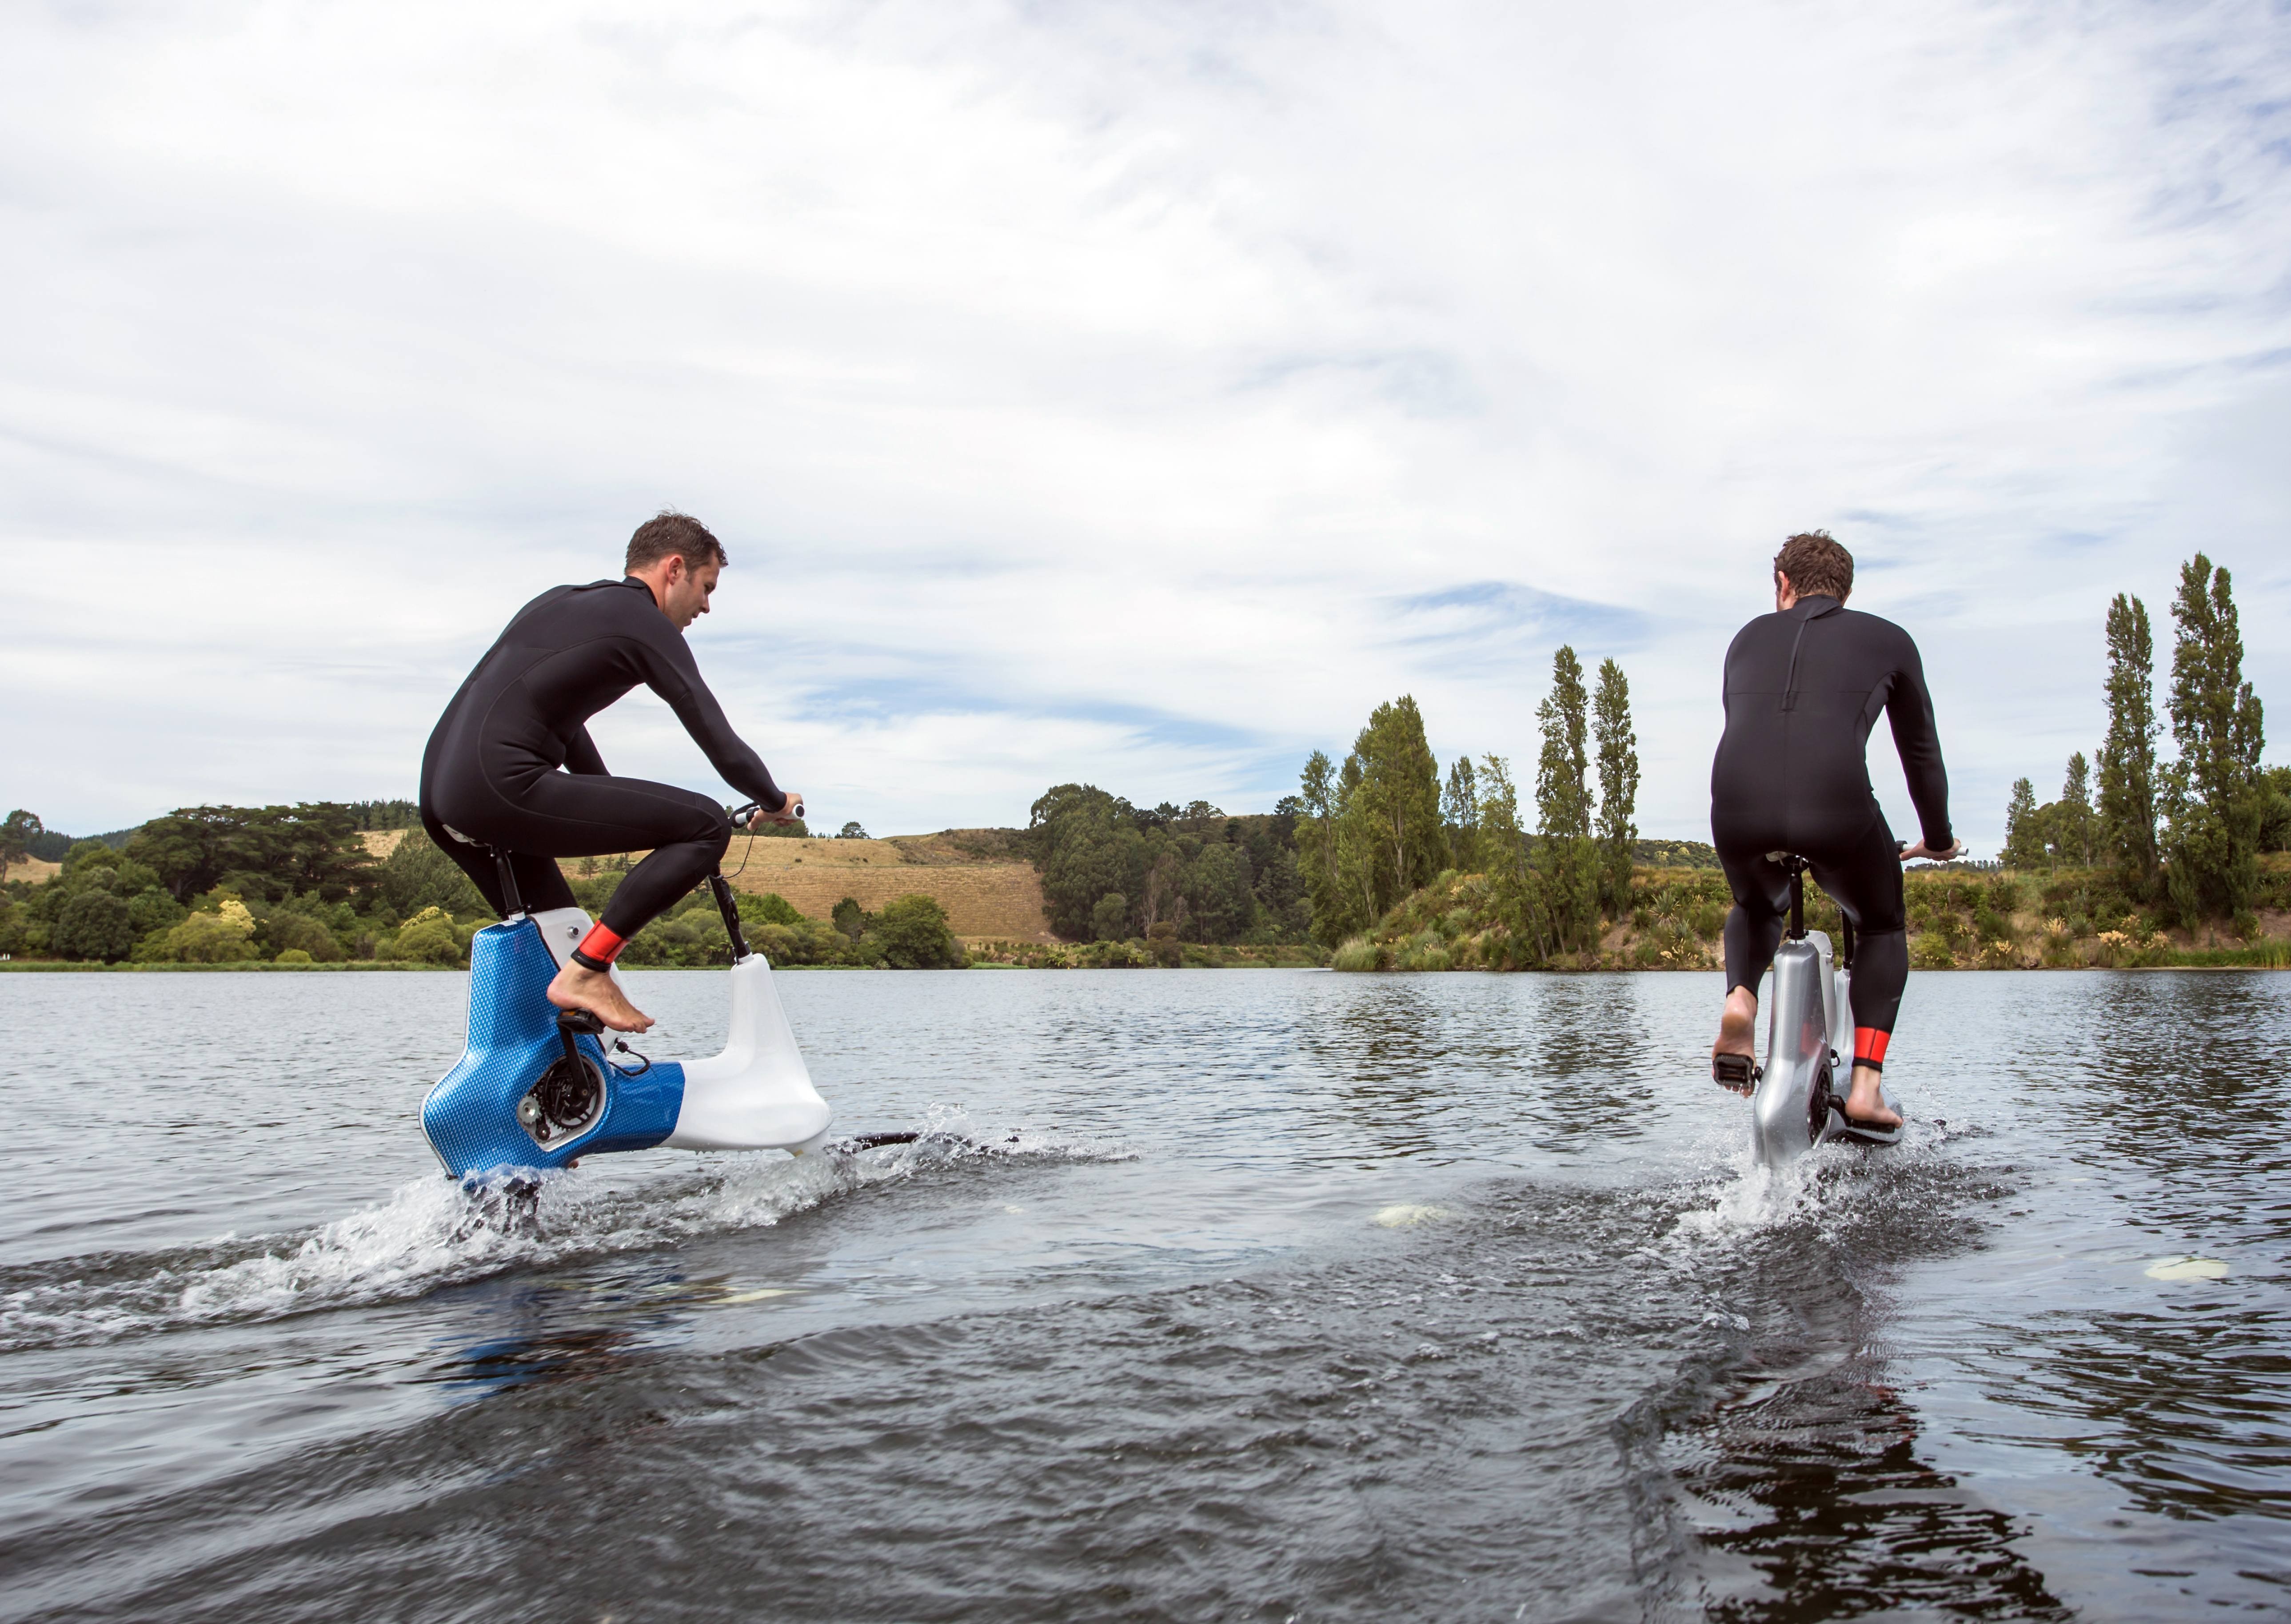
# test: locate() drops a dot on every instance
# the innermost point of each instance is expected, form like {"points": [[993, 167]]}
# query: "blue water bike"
{"points": [[537, 1086]]}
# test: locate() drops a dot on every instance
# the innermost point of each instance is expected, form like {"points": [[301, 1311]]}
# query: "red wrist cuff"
{"points": [[598, 948]]}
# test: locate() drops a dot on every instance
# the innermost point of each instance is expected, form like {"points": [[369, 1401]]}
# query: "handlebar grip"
{"points": [[753, 810]]}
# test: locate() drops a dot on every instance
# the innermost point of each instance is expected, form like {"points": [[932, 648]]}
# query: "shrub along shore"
{"points": [[2065, 919]]}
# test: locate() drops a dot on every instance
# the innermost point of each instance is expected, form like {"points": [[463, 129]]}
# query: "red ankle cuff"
{"points": [[598, 948], [1869, 1047]]}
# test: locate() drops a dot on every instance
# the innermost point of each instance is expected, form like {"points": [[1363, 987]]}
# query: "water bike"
{"points": [[537, 1086], [1797, 1101]]}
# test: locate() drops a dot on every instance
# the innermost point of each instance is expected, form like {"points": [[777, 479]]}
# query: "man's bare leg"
{"points": [[1737, 1025], [579, 988], [1866, 1102]]}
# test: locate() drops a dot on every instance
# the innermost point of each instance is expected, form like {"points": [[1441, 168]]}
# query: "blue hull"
{"points": [[471, 1115]]}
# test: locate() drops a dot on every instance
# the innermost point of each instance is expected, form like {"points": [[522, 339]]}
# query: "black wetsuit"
{"points": [[1804, 688], [491, 772]]}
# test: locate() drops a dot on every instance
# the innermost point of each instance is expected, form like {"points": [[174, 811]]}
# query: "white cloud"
{"points": [[1121, 392]]}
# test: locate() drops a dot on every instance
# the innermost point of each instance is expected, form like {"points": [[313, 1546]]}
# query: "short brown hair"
{"points": [[1816, 565], [669, 531]]}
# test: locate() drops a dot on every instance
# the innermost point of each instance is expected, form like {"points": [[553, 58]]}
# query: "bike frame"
{"points": [[1799, 1101]]}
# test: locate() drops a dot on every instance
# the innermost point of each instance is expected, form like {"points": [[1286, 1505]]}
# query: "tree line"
{"points": [[214, 884], [1383, 825], [1113, 871], [2182, 835], [223, 885]]}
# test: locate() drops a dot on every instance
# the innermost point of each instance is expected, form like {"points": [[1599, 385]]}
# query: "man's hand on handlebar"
{"points": [[1920, 853], [791, 811]]}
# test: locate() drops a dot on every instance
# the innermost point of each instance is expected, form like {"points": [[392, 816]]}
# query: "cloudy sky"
{"points": [[1135, 393]]}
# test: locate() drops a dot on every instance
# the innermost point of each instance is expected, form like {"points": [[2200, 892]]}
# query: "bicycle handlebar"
{"points": [[753, 810]]}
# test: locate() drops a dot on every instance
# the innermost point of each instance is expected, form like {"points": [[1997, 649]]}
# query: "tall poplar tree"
{"points": [[1618, 744], [2214, 793], [1460, 807], [2024, 839], [2128, 754], [1518, 886], [1565, 855], [2072, 831], [1334, 915]]}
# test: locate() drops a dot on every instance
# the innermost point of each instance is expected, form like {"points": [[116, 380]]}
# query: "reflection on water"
{"points": [[1154, 1355], [1815, 1486]]}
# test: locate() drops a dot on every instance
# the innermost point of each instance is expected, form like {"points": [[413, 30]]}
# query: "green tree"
{"points": [[1217, 897], [1396, 803], [94, 925], [1460, 807], [1086, 844], [2073, 825], [1565, 855], [1337, 911], [2024, 838], [2275, 822], [1165, 891], [418, 874], [1109, 920], [762, 907], [2127, 753], [1518, 903], [285, 933], [18, 831], [1617, 744], [312, 848], [2214, 794], [1283, 912], [426, 939], [913, 935]]}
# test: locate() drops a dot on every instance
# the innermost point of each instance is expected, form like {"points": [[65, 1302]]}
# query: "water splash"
{"points": [[429, 1233]]}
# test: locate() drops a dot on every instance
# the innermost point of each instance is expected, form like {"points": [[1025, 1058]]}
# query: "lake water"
{"points": [[1279, 1295]]}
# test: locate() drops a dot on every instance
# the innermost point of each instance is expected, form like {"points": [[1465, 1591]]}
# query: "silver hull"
{"points": [[1797, 1102]]}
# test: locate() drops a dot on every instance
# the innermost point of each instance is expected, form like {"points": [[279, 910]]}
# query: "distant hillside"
{"points": [[975, 874], [981, 878], [49, 846]]}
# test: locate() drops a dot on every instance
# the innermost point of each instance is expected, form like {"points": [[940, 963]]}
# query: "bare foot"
{"points": [[1866, 1102], [579, 988], [1735, 1028]]}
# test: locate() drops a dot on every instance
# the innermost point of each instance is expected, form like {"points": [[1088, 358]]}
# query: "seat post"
{"points": [[506, 877], [1797, 866]]}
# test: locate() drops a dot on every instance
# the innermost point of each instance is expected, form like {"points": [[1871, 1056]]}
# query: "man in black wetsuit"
{"points": [[1804, 687], [510, 765]]}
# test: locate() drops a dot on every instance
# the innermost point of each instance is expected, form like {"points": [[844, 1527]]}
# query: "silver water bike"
{"points": [[1797, 1099]]}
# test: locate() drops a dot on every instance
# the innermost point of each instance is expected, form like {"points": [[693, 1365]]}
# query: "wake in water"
{"points": [[430, 1234], [1836, 1191]]}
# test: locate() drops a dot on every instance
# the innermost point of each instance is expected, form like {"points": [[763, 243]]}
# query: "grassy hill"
{"points": [[981, 878]]}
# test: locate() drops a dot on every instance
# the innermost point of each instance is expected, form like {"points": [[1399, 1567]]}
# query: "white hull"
{"points": [[757, 1094]]}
